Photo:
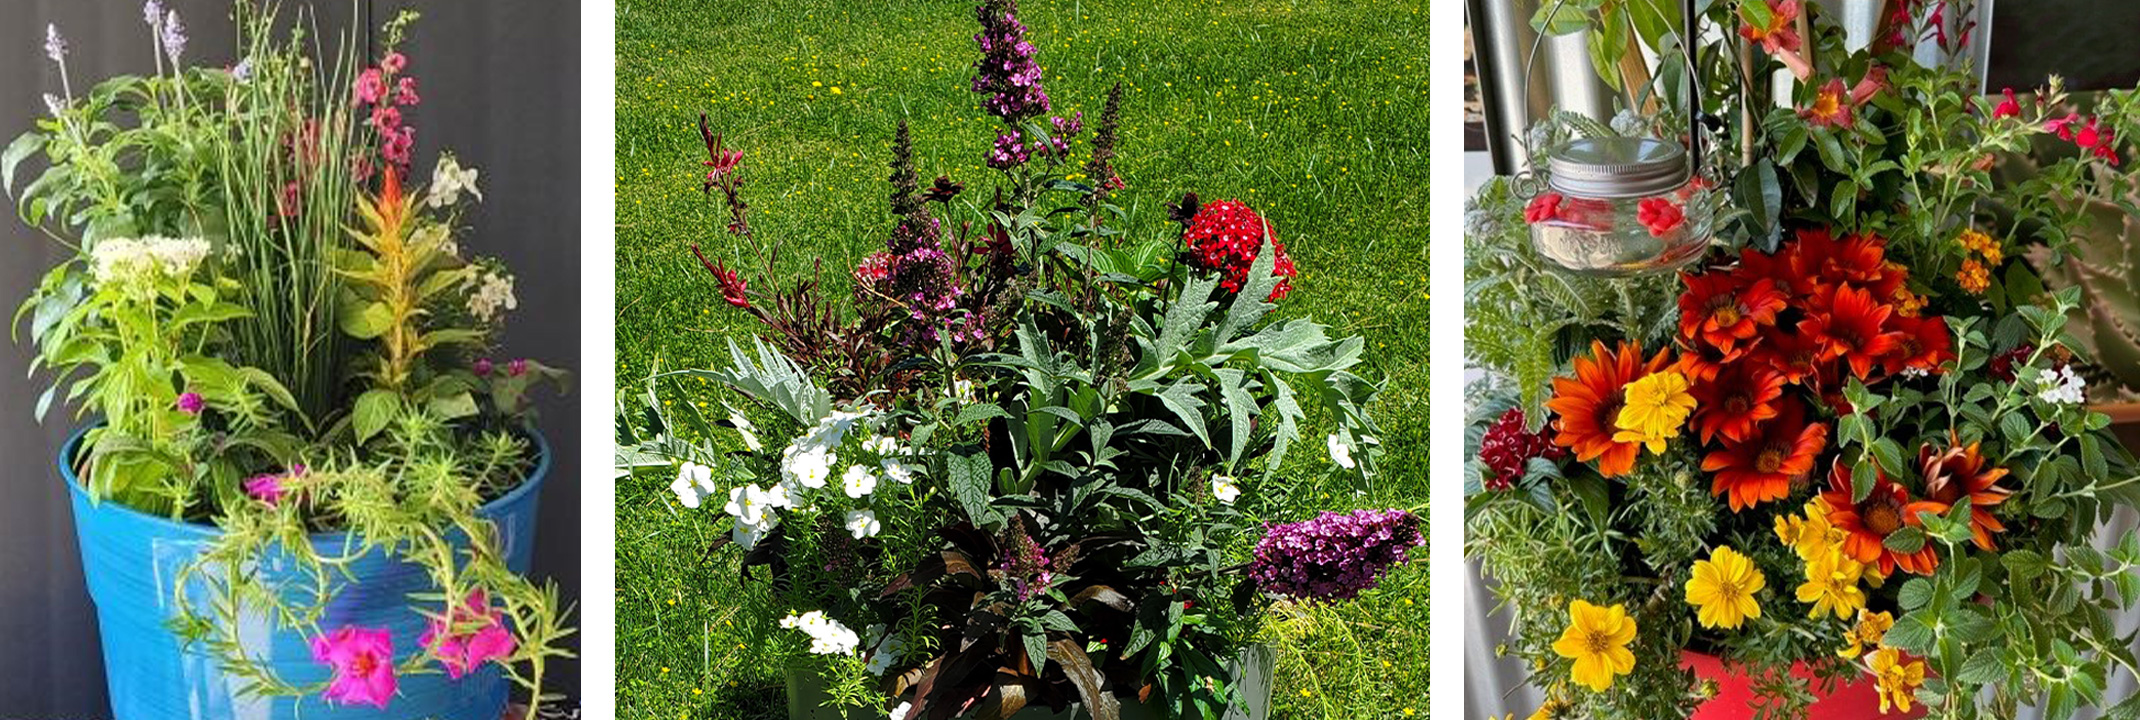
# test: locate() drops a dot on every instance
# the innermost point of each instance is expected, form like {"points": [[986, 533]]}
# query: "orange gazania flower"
{"points": [[1722, 308], [1921, 343], [1763, 466], [1851, 326], [1736, 401], [1587, 405], [1957, 473], [1867, 524], [1796, 356]]}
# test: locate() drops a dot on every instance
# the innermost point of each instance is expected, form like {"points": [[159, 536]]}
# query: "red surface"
{"points": [[1857, 700]]}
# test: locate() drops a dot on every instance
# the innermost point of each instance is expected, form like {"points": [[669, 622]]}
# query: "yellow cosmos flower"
{"points": [[1549, 710], [1811, 536], [1722, 589], [1896, 679], [1656, 407], [1596, 639], [1832, 585], [1869, 630]]}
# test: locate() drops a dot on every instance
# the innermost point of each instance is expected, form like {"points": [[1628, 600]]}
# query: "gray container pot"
{"points": [[1251, 670]]}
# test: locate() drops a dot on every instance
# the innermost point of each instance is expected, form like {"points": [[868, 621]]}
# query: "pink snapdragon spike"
{"points": [[363, 662], [191, 403], [393, 63], [371, 85], [461, 653]]}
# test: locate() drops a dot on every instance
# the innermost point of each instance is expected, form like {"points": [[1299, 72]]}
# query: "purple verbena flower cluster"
{"points": [[1006, 70], [1334, 556]]}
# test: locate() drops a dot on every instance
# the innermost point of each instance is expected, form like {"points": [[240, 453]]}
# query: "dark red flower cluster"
{"points": [[1225, 236], [1508, 446], [1803, 317], [2093, 136]]}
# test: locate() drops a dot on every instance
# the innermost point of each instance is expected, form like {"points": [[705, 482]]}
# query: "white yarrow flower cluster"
{"points": [[448, 181], [827, 636], [124, 259], [2062, 386], [493, 295]]}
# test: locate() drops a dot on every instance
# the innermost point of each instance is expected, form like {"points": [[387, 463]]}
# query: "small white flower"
{"points": [[827, 636], [1224, 489], [900, 472], [1340, 453], [494, 294], [808, 467], [858, 482], [748, 503], [128, 259], [747, 535], [749, 431], [782, 495], [692, 481], [2062, 386], [900, 713], [448, 181], [962, 390], [882, 445], [863, 523], [887, 650]]}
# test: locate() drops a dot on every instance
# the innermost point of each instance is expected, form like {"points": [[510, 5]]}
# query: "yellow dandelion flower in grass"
{"points": [[1897, 679], [1596, 639], [1867, 632], [1832, 585], [1723, 587], [1656, 407]]}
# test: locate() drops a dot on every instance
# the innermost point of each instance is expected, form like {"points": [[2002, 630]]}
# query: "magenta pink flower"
{"points": [[2010, 107], [191, 403], [461, 650], [387, 118], [483, 367], [266, 488], [2063, 127], [517, 368], [370, 86], [393, 63], [363, 662], [405, 92]]}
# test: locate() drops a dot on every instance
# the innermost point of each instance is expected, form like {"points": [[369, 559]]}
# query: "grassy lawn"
{"points": [[1313, 112]]}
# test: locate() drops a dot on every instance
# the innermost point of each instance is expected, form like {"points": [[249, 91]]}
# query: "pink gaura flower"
{"points": [[1661, 216], [469, 636], [394, 63], [363, 662], [371, 85]]}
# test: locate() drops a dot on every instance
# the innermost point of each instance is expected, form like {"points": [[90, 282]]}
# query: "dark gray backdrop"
{"points": [[500, 87]]}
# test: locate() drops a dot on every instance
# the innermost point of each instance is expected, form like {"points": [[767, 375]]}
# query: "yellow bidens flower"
{"points": [[1596, 639], [1896, 679], [1867, 632], [1549, 710], [1656, 407], [1722, 589], [1811, 536], [1832, 585]]}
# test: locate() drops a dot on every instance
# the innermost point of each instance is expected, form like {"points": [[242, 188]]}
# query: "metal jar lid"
{"points": [[1618, 167]]}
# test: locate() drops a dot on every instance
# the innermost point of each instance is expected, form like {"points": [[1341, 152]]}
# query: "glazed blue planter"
{"points": [[129, 559]]}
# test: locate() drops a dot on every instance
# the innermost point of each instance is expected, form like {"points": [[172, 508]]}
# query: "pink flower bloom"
{"points": [[286, 203], [394, 63], [517, 368], [191, 403], [266, 488], [2062, 126], [1661, 216], [2007, 108], [483, 367], [405, 92], [363, 662], [387, 118], [2090, 134], [462, 651], [400, 146], [370, 86]]}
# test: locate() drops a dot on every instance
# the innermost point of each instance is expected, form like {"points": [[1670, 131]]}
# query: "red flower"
{"points": [[1508, 446], [1542, 208], [1958, 473], [1829, 109], [1779, 35], [1661, 216], [1587, 404], [1722, 309], [1225, 236], [1867, 524], [2062, 126], [2010, 107], [1762, 466], [1851, 326], [1795, 356], [1736, 402], [733, 287], [1921, 343]]}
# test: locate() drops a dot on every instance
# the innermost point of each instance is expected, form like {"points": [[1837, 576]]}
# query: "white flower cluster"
{"points": [[806, 465], [493, 295], [886, 650], [827, 636], [2062, 386], [448, 181], [123, 259], [1225, 489]]}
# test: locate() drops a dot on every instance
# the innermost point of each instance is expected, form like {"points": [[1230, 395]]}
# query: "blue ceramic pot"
{"points": [[129, 559]]}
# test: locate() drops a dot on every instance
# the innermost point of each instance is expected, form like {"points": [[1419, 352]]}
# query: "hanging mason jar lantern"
{"points": [[1619, 206]]}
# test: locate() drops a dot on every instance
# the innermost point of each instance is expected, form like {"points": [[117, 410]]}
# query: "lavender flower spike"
{"points": [[174, 36], [152, 12], [1006, 69], [55, 46]]}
